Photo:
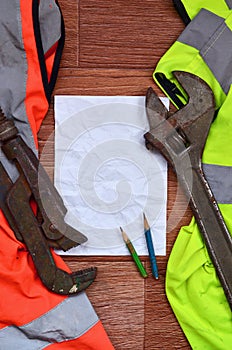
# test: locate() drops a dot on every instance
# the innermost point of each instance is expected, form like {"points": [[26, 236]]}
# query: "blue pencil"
{"points": [[150, 248]]}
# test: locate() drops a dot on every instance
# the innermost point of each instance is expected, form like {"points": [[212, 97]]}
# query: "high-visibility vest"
{"points": [[188, 9], [192, 286], [31, 317]]}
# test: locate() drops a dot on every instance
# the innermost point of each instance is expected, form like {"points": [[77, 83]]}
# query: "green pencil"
{"points": [[134, 255]]}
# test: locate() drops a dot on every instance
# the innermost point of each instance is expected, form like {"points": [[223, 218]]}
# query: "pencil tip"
{"points": [[124, 236], [146, 225]]}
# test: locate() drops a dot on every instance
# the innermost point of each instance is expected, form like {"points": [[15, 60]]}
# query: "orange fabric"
{"points": [[94, 339], [22, 295], [49, 60], [18, 276]]}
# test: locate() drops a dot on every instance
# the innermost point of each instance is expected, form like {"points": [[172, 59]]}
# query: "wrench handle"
{"points": [[212, 226]]}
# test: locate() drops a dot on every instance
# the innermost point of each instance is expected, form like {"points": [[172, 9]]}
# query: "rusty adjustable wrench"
{"points": [[181, 137], [47, 230]]}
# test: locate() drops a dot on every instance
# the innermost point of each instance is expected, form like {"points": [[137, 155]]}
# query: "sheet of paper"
{"points": [[106, 176]]}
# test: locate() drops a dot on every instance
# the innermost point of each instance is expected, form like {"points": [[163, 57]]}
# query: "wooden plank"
{"points": [[161, 328], [112, 48], [118, 298], [97, 81], [70, 11], [154, 333], [126, 34]]}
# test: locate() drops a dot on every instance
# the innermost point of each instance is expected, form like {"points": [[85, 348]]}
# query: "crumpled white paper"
{"points": [[106, 176]]}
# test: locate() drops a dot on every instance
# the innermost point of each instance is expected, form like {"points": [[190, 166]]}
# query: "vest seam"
{"points": [[204, 53]]}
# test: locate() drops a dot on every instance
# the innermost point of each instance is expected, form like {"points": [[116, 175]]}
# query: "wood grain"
{"points": [[123, 34], [112, 48]]}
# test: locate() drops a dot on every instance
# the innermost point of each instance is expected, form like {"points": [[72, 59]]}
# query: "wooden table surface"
{"points": [[112, 48]]}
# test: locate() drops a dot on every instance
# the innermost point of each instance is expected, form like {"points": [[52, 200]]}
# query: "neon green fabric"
{"points": [[208, 32], [218, 148], [182, 57], [195, 294], [192, 8], [192, 286]]}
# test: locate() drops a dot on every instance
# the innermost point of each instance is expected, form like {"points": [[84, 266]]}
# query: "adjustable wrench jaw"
{"points": [[50, 230], [181, 137], [186, 130]]}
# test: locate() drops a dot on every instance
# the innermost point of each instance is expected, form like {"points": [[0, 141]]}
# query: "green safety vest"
{"points": [[188, 9], [192, 286]]}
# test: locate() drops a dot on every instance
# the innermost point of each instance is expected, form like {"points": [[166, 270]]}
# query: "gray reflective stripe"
{"points": [[69, 320], [50, 23], [13, 72], [220, 181], [229, 3], [201, 29], [209, 34]]}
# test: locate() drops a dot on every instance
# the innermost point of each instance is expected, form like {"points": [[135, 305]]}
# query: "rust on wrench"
{"points": [[50, 230], [181, 137]]}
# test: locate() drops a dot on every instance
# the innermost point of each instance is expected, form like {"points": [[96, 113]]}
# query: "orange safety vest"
{"points": [[31, 317]]}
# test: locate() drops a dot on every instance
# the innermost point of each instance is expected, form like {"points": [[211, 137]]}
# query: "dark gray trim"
{"points": [[229, 3], [217, 54], [220, 181], [68, 320], [199, 31], [209, 34]]}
